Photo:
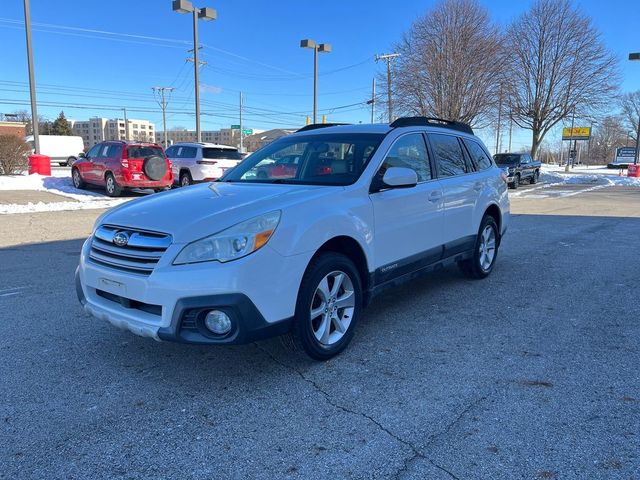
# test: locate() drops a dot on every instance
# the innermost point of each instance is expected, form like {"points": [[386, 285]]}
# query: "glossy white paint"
{"points": [[199, 172], [388, 225]]}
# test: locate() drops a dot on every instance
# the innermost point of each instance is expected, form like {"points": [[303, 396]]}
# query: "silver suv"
{"points": [[201, 162]]}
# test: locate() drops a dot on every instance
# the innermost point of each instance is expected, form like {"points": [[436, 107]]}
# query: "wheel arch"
{"points": [[493, 211], [351, 248]]}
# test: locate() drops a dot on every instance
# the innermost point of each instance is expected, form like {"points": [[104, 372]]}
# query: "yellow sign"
{"points": [[577, 133]]}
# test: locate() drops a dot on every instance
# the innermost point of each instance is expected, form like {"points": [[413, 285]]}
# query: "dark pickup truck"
{"points": [[519, 167]]}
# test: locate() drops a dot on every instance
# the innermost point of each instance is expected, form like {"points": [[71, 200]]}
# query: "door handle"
{"points": [[435, 196]]}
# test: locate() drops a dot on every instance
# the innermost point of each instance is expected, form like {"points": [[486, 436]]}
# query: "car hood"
{"points": [[194, 212]]}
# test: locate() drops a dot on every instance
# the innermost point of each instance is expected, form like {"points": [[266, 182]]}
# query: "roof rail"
{"points": [[431, 122], [315, 126]]}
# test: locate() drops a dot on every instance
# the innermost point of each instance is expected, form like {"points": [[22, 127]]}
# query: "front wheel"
{"points": [[535, 177], [328, 306], [485, 250], [78, 182]]}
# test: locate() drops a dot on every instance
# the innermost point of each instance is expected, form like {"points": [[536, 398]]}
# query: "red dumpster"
{"points": [[633, 171], [40, 164]]}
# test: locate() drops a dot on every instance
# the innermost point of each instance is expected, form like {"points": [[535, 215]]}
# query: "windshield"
{"points": [[221, 153], [321, 159], [506, 159]]}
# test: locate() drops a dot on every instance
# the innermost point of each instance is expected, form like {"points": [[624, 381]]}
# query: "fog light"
{"points": [[218, 322]]}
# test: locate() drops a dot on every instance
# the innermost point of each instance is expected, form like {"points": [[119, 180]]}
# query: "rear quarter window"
{"points": [[479, 157]]}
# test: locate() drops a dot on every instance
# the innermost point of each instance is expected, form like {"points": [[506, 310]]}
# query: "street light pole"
{"points": [[32, 81], [206, 14], [317, 48]]}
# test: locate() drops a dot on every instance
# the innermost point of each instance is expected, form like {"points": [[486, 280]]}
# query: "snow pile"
{"points": [[555, 176], [59, 185]]}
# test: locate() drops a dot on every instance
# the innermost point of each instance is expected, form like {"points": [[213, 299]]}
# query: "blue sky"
{"points": [[252, 47]]}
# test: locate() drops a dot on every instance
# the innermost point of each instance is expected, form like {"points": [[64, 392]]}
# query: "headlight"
{"points": [[233, 243]]}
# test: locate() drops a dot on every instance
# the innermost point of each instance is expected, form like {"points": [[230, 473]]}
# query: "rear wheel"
{"points": [[328, 306], [111, 186], [78, 182], [185, 179], [534, 179], [485, 250]]}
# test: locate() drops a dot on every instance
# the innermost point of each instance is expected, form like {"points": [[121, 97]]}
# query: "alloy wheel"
{"points": [[487, 249], [332, 307]]}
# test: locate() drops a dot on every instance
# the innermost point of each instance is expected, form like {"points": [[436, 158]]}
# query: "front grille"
{"points": [[139, 255]]}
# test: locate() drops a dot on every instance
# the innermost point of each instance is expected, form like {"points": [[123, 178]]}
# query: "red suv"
{"points": [[118, 165]]}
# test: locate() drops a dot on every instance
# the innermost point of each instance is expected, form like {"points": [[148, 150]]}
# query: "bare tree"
{"points": [[13, 155], [607, 136], [449, 66], [630, 104], [558, 65]]}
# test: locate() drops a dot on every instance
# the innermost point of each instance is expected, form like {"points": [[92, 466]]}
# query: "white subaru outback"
{"points": [[300, 252]]}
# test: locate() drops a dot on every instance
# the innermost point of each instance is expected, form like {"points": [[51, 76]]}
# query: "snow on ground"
{"points": [[58, 185], [592, 178], [586, 175]]}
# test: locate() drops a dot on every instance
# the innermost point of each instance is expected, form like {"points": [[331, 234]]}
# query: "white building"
{"points": [[225, 136], [96, 130]]}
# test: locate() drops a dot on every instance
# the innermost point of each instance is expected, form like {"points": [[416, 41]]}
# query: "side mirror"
{"points": [[396, 177]]}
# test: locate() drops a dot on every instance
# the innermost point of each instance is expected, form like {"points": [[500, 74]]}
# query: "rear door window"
{"points": [[479, 157], [187, 152], [114, 151], [449, 155]]}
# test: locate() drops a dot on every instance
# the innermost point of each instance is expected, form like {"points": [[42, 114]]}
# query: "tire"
{"points": [[534, 179], [70, 161], [185, 179], [516, 182], [309, 332], [77, 180], [483, 260], [111, 186]]}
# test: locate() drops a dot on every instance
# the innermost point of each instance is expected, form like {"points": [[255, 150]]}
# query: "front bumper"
{"points": [[259, 294], [187, 319]]}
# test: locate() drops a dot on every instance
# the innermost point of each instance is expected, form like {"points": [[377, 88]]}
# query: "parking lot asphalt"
{"points": [[531, 373]]}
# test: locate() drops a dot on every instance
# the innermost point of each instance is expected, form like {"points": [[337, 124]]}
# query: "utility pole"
{"points": [[162, 101], [570, 158], [372, 102], [510, 130], [499, 121], [126, 125], [32, 81], [388, 57], [241, 127]]}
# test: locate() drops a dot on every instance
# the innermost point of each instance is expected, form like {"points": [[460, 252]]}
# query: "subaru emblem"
{"points": [[121, 238]]}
